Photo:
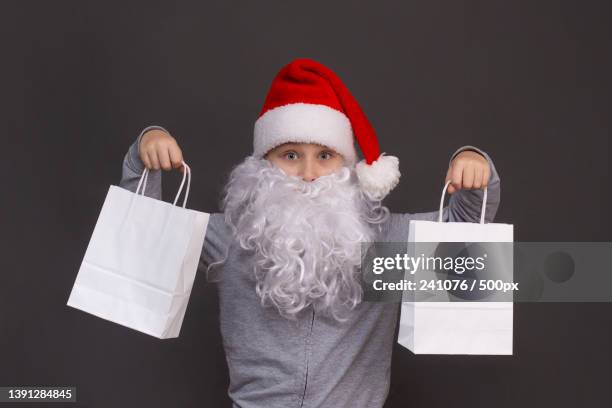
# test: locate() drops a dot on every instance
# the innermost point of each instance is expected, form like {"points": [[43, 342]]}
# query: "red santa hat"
{"points": [[308, 103]]}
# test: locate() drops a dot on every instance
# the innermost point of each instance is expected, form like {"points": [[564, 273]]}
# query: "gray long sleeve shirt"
{"points": [[315, 361]]}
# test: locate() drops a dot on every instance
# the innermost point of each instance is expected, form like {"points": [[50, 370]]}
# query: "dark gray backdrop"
{"points": [[527, 81]]}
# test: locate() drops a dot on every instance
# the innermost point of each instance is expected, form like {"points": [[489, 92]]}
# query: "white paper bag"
{"points": [[476, 327], [141, 261]]}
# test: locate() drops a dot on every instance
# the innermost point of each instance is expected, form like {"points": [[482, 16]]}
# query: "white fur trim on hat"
{"points": [[305, 123], [380, 177]]}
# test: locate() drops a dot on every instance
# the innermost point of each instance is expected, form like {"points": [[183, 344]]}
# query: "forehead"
{"points": [[302, 146]]}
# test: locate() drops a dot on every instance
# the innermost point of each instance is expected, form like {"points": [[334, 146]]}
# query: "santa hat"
{"points": [[308, 103]]}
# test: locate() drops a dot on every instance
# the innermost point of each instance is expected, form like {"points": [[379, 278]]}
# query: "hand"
{"points": [[468, 170], [160, 150]]}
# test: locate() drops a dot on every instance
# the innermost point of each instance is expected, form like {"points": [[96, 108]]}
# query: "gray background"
{"points": [[526, 81]]}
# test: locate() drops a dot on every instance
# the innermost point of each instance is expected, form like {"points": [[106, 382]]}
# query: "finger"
{"points": [[450, 188], [176, 156], [468, 177], [457, 176], [154, 160], [145, 159], [486, 176], [477, 178], [164, 158]]}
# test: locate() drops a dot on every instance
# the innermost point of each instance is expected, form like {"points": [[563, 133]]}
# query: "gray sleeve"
{"points": [[216, 243], [133, 168], [465, 205]]}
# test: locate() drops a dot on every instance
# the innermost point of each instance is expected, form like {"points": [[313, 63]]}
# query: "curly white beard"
{"points": [[306, 236]]}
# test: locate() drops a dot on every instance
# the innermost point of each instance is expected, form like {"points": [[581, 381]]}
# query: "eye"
{"points": [[326, 155], [291, 155]]}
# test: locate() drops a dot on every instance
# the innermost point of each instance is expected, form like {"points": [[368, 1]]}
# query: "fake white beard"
{"points": [[306, 236]]}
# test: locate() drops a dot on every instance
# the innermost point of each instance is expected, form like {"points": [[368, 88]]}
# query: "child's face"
{"points": [[306, 160]]}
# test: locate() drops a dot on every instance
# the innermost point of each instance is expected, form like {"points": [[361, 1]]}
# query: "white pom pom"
{"points": [[380, 177]]}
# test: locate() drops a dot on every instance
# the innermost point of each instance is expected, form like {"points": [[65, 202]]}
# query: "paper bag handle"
{"points": [[186, 173], [482, 211]]}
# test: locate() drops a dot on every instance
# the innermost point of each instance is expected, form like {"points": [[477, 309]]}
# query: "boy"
{"points": [[286, 246]]}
